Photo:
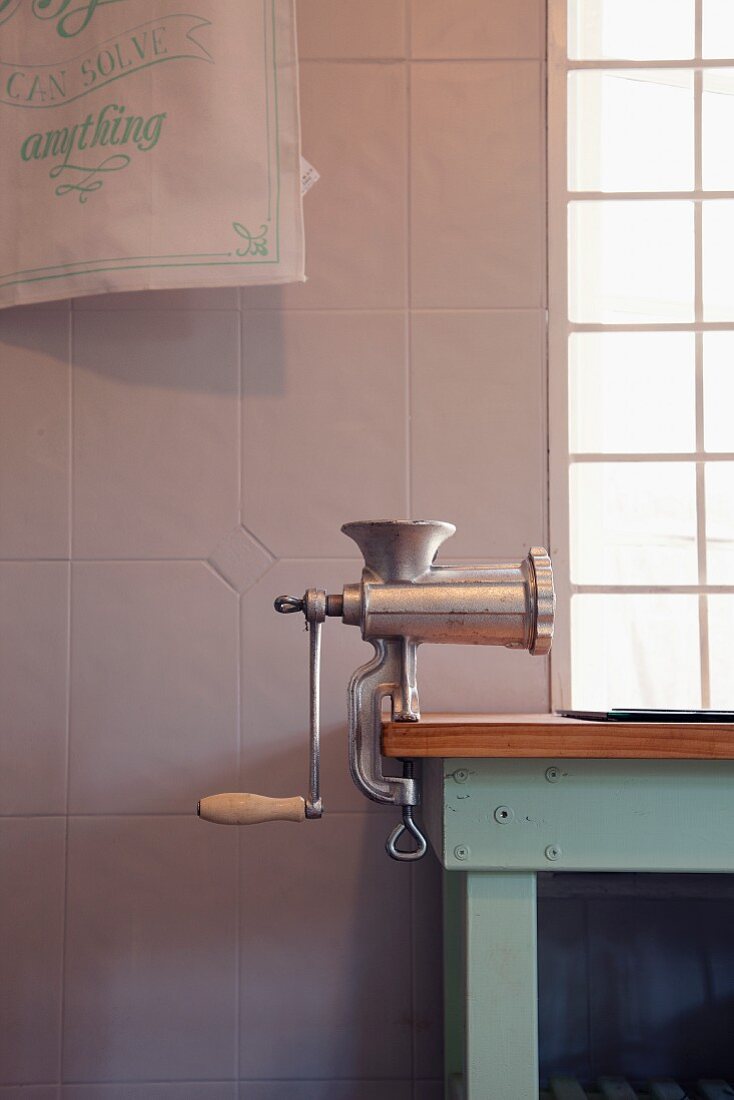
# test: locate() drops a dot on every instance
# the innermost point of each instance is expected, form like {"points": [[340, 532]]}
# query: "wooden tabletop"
{"points": [[550, 735]]}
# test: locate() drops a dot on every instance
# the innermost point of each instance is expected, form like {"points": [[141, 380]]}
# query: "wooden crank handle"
{"points": [[250, 809]]}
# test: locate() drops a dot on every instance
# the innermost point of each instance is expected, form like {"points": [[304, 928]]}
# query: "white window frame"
{"points": [[559, 329]]}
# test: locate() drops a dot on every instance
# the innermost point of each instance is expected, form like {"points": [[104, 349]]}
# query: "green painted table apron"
{"points": [[494, 823]]}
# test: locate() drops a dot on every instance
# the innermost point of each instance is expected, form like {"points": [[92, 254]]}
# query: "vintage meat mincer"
{"points": [[402, 600]]}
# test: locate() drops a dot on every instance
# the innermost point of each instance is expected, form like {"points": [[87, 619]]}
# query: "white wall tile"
{"points": [[325, 952], [34, 612], [150, 955], [153, 686], [477, 185], [34, 433], [482, 679], [465, 28], [29, 1092], [325, 1090], [324, 426], [275, 687], [195, 298], [155, 432], [31, 934], [62, 305], [240, 559], [354, 126], [153, 1090], [478, 429], [346, 28]]}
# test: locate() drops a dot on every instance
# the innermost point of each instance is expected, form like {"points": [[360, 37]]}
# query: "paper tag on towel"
{"points": [[309, 176]]}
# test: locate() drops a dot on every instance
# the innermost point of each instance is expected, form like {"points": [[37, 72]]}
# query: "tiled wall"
{"points": [[168, 464]]}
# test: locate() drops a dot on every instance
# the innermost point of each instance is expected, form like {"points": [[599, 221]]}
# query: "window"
{"points": [[641, 260]]}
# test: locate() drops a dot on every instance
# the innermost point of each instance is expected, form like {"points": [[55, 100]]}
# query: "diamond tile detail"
{"points": [[240, 559]]}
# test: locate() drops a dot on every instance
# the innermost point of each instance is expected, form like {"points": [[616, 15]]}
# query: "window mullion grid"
{"points": [[662, 326], [651, 589], [698, 327], [703, 625], [636, 196], [626, 63], [650, 456]]}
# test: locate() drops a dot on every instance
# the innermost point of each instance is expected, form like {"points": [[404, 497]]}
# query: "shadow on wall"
{"points": [[150, 323], [156, 906], [311, 928]]}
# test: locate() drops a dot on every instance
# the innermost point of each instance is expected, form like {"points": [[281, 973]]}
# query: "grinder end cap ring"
{"points": [[545, 601]]}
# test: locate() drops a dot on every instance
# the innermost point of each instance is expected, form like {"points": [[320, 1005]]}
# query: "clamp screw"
{"points": [[553, 774], [503, 815], [461, 775], [461, 851], [553, 852]]}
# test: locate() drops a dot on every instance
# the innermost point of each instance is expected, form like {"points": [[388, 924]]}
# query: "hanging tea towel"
{"points": [[147, 144]]}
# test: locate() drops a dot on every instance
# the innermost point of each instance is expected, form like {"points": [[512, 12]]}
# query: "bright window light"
{"points": [[641, 261]]}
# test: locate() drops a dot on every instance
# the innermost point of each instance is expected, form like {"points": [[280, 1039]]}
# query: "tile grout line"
{"points": [[504, 60], [238, 756], [545, 341], [238, 759], [67, 792], [172, 814], [216, 572], [227, 1081], [238, 858], [256, 538], [408, 49], [240, 404], [408, 30], [153, 309], [273, 310]]}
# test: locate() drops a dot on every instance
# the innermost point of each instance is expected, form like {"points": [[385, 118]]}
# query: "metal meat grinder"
{"points": [[402, 600]]}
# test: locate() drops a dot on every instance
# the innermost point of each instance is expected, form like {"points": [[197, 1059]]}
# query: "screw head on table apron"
{"points": [[553, 852], [461, 851], [503, 815]]}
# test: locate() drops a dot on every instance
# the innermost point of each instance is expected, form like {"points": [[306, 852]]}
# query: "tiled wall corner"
{"points": [[31, 932], [34, 441], [324, 411], [466, 29], [323, 959], [353, 125], [151, 951], [172, 461], [477, 185], [34, 654], [478, 421], [155, 432], [154, 697]]}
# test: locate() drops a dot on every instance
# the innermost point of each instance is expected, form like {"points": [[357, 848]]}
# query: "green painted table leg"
{"points": [[501, 1051]]}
